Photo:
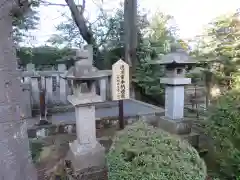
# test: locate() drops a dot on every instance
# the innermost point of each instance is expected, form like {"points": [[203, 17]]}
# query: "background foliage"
{"points": [[223, 126], [22, 25], [44, 55]]}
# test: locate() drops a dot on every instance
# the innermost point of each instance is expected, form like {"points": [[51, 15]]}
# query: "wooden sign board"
{"points": [[120, 80]]}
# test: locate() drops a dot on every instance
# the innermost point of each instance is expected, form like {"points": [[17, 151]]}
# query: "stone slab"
{"points": [[94, 75], [175, 81], [181, 126], [82, 100]]}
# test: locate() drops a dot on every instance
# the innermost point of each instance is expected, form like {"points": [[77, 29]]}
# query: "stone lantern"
{"points": [[85, 152], [175, 64]]}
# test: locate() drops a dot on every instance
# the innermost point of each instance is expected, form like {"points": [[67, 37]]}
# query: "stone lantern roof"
{"points": [[84, 76], [177, 56], [84, 70]]}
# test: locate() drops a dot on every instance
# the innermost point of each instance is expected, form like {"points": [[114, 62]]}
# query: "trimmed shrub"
{"points": [[142, 152], [223, 126]]}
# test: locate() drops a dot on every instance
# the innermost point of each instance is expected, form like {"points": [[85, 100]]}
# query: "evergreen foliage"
{"points": [[143, 152]]}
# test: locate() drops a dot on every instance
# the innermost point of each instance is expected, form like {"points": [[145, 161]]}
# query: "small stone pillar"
{"points": [[35, 82], [103, 88], [63, 90], [27, 108], [43, 82], [49, 89], [42, 100]]}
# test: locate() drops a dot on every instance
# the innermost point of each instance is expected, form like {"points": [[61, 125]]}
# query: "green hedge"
{"points": [[42, 55], [223, 126], [142, 152]]}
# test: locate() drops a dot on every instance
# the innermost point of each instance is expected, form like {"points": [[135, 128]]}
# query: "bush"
{"points": [[35, 148], [223, 126], [142, 152]]}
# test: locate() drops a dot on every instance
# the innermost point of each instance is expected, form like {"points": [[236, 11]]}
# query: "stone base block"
{"points": [[192, 138], [84, 157], [182, 126]]}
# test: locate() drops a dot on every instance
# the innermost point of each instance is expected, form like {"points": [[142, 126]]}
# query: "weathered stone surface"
{"points": [[84, 156], [87, 161], [83, 99], [182, 126]]}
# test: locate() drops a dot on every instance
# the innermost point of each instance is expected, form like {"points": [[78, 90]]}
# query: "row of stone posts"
{"points": [[44, 80]]}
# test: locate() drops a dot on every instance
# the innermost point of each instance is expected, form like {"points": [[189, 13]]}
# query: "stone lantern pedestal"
{"points": [[174, 120], [86, 154], [85, 151]]}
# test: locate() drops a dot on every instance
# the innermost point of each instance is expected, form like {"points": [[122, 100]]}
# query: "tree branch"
{"points": [[83, 6], [46, 3], [80, 22], [20, 7]]}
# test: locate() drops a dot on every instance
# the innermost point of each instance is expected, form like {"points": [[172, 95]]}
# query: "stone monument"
{"points": [[175, 67], [27, 109], [86, 154]]}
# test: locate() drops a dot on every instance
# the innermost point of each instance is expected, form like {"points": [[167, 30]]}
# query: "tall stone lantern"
{"points": [[175, 64], [86, 152]]}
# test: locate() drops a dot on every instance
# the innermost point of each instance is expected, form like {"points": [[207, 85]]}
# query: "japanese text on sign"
{"points": [[120, 80]]}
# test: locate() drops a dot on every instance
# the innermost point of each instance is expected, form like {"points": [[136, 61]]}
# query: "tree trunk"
{"points": [[80, 22], [85, 32], [208, 84], [15, 158], [130, 30]]}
